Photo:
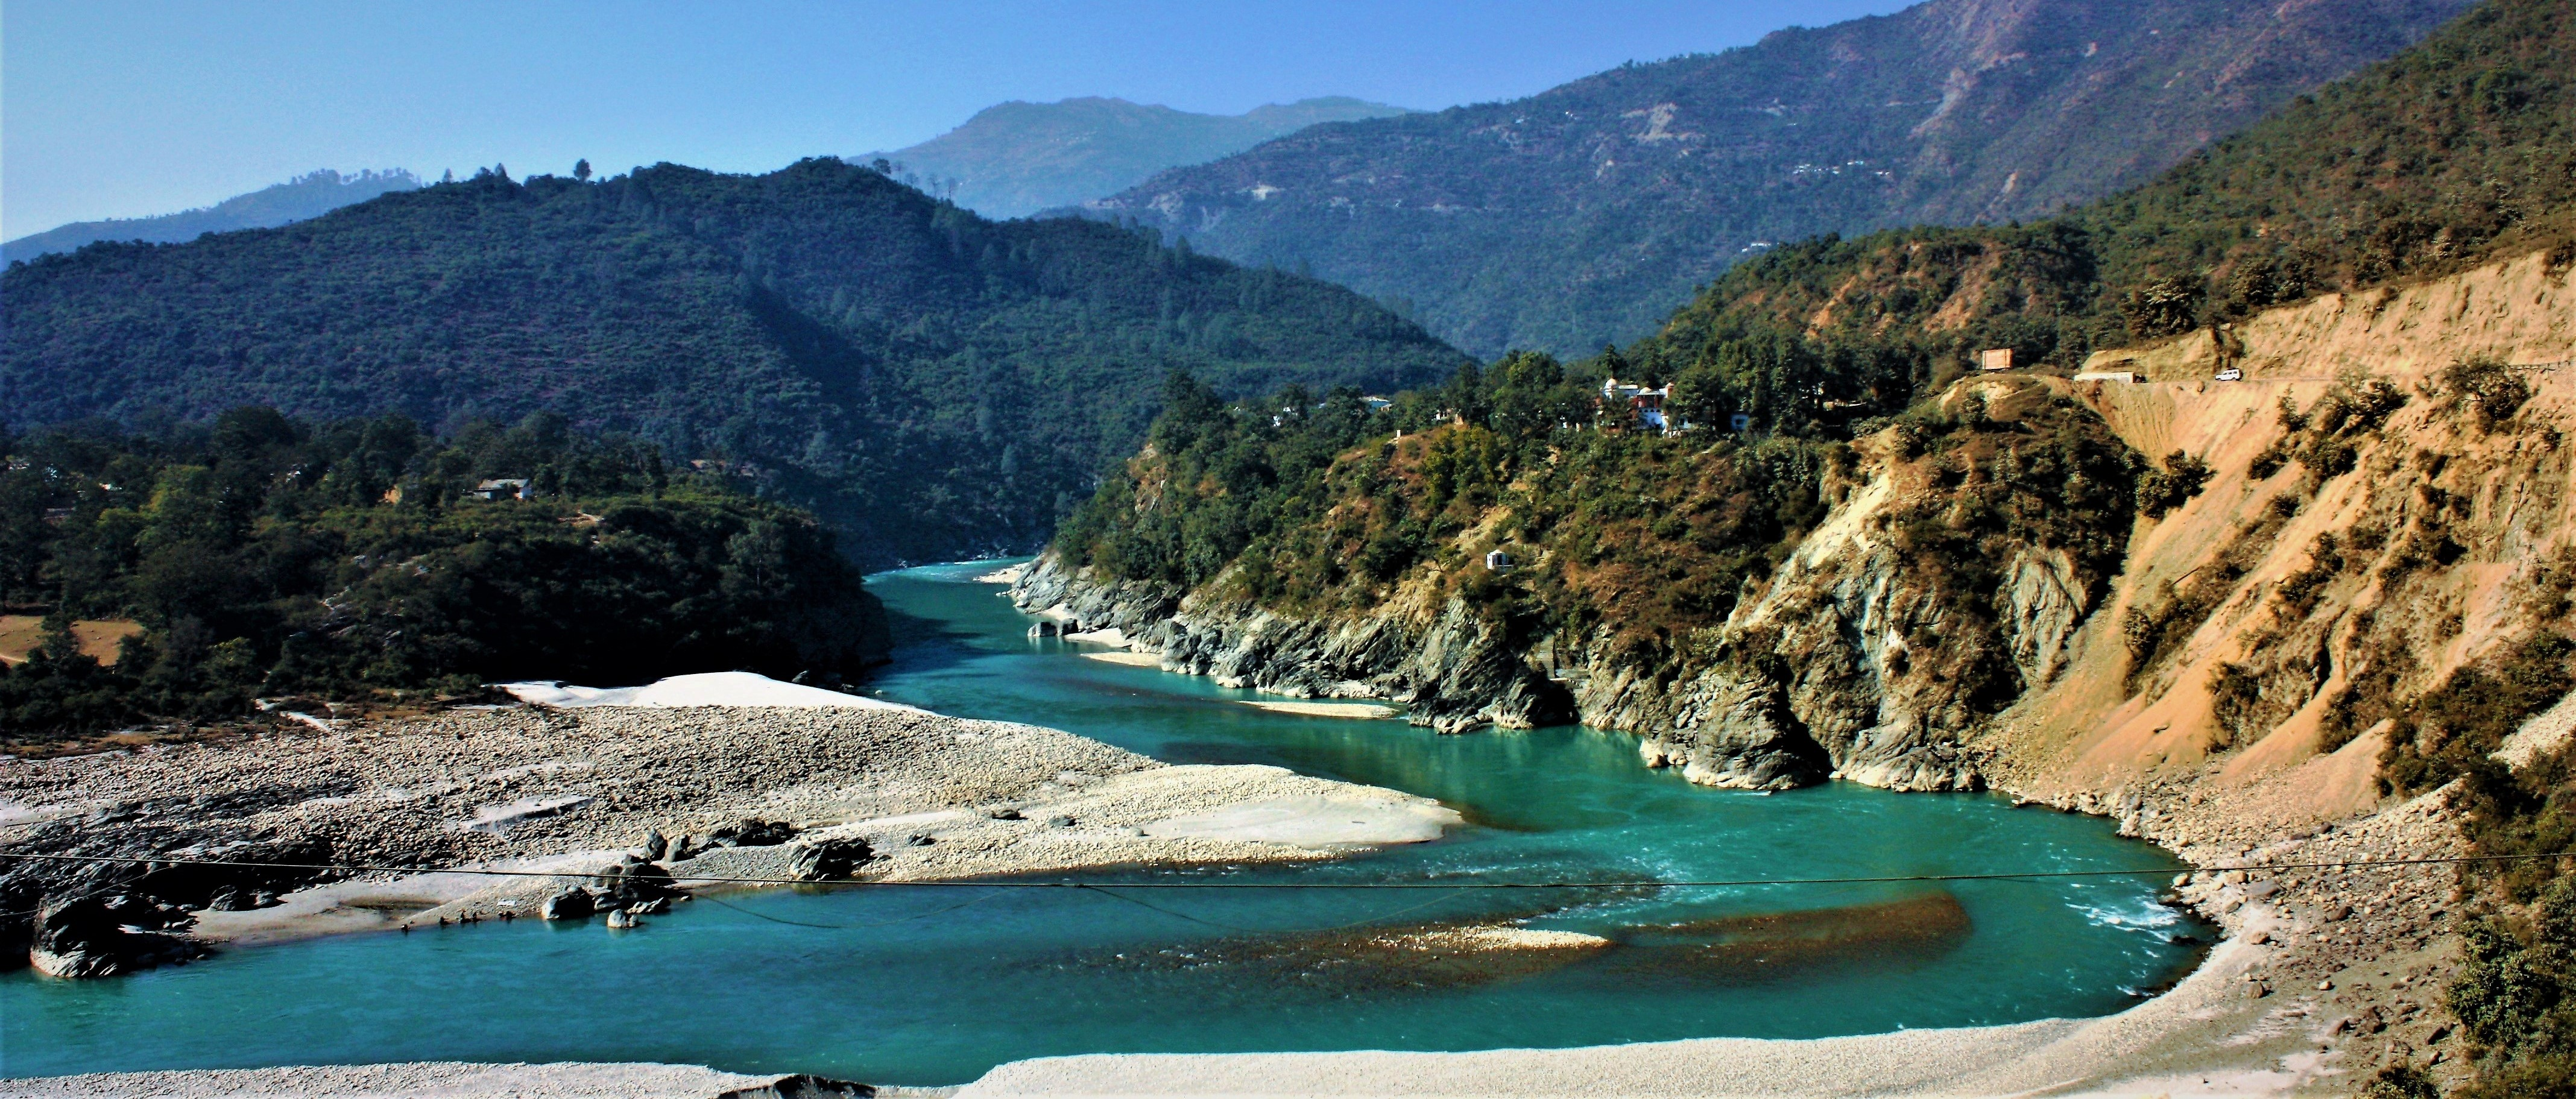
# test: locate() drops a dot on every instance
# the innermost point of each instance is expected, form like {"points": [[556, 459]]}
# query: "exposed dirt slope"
{"points": [[2269, 620]]}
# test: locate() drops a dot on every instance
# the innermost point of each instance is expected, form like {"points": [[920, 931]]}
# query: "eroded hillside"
{"points": [[2075, 586], [2379, 515]]}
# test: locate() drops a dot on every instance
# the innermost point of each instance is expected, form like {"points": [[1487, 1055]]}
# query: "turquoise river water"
{"points": [[902, 988]]}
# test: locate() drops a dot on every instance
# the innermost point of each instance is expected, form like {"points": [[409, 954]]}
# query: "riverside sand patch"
{"points": [[1133, 660], [1362, 711], [1323, 819], [704, 689]]}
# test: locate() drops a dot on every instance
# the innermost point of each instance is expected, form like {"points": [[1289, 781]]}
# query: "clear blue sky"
{"points": [[112, 108]]}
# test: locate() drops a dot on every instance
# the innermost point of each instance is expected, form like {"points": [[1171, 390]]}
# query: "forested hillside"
{"points": [[269, 557], [2460, 150], [1585, 214], [2456, 152], [931, 382], [1015, 159], [309, 195]]}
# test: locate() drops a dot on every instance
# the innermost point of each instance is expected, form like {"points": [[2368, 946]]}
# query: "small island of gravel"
{"points": [[682, 797]]}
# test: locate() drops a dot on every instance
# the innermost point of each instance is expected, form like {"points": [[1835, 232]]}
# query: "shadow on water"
{"points": [[1492, 948], [1803, 943], [924, 645]]}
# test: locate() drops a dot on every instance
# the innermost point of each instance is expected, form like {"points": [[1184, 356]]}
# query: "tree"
{"points": [[581, 169]]}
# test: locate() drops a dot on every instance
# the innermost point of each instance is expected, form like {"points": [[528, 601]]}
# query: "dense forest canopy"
{"points": [[265, 556], [1585, 214], [930, 382]]}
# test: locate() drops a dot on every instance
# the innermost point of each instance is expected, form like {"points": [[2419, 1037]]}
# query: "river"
{"points": [[903, 986]]}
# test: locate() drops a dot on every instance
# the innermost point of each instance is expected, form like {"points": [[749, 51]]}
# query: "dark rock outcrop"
{"points": [[632, 881], [802, 1086], [752, 833], [571, 904], [828, 859], [101, 936]]}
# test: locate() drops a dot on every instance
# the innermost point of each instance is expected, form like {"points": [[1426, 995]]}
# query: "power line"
{"points": [[2350, 864], [852, 926]]}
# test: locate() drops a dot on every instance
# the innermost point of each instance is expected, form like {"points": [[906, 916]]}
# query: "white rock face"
{"points": [[1356, 816], [706, 689], [2540, 735]]}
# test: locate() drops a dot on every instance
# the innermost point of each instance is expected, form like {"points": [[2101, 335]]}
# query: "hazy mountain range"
{"points": [[1010, 160], [309, 195], [1584, 214], [1016, 158]]}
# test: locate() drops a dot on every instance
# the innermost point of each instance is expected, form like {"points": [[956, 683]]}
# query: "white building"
{"points": [[1645, 406]]}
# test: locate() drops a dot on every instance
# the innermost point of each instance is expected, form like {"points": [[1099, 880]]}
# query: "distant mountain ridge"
{"points": [[1017, 158], [310, 195], [1582, 215], [933, 383]]}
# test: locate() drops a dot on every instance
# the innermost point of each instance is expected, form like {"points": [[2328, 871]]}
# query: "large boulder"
{"points": [[802, 1087], [571, 904], [633, 881], [752, 833], [828, 859]]}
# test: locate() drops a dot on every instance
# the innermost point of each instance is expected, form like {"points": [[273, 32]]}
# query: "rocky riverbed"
{"points": [[2328, 971], [627, 808]]}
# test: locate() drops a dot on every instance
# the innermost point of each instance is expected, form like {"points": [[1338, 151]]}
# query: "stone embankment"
{"points": [[608, 810]]}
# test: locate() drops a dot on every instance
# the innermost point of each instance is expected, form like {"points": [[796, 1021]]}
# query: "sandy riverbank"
{"points": [[572, 791], [1364, 711], [1132, 660]]}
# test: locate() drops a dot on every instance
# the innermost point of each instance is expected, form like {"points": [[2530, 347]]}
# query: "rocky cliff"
{"points": [[1861, 658], [1980, 600], [1453, 668]]}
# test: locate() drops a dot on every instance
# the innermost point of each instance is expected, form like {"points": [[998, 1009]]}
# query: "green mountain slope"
{"points": [[2455, 152], [1584, 214], [1015, 159], [930, 382], [305, 196]]}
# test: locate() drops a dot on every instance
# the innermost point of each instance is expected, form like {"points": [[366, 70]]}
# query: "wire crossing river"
{"points": [[933, 986]]}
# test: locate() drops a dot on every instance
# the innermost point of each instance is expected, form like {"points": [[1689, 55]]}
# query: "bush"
{"points": [[2162, 490], [2489, 389]]}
